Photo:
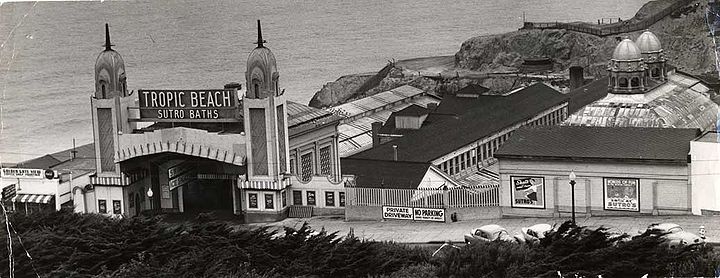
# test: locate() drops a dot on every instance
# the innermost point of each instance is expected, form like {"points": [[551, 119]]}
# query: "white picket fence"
{"points": [[484, 196]]}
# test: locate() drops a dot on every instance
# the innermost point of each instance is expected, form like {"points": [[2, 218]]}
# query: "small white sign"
{"points": [[429, 214], [397, 213], [22, 173]]}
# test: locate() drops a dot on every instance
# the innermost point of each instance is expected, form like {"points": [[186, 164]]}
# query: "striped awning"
{"points": [[33, 198]]}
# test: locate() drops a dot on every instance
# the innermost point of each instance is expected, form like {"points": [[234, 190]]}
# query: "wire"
{"points": [[11, 262], [27, 253]]}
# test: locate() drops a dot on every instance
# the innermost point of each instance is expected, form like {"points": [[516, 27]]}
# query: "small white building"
{"points": [[705, 173], [28, 190]]}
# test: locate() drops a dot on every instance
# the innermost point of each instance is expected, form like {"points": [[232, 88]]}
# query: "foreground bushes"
{"points": [[67, 244]]}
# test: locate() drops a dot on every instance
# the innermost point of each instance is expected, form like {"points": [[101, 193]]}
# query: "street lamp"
{"points": [[572, 194], [150, 194]]}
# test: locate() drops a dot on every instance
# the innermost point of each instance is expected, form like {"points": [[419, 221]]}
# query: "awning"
{"points": [[33, 198]]}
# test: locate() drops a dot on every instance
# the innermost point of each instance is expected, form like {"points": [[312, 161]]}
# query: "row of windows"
{"points": [[116, 209], [311, 199], [486, 151], [308, 168], [269, 200]]}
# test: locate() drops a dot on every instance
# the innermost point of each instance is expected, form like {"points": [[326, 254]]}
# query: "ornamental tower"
{"points": [[109, 107], [653, 56], [265, 117], [627, 69]]}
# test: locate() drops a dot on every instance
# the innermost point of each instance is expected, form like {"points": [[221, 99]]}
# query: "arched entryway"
{"points": [[183, 184]]}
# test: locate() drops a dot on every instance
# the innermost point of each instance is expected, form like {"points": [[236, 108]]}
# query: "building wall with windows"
{"points": [[480, 153]]}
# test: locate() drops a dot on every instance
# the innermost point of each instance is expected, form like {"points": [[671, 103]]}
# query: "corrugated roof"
{"points": [[298, 113], [681, 102], [624, 143], [443, 137], [359, 130], [376, 101], [384, 174]]}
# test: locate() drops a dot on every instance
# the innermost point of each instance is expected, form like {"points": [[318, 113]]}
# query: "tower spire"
{"points": [[107, 37], [260, 40]]}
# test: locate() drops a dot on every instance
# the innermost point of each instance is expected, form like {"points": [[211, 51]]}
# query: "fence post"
{"points": [[446, 198]]}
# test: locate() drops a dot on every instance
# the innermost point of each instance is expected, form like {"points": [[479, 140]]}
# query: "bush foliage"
{"points": [[64, 244]]}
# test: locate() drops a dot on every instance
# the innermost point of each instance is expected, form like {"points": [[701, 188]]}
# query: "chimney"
{"points": [[395, 152], [576, 77], [376, 133], [432, 106]]}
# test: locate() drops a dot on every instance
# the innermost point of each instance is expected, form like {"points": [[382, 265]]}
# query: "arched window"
{"points": [[623, 82], [102, 90], [635, 82], [655, 72], [613, 82]]}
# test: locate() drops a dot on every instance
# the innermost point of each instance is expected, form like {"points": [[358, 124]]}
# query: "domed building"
{"points": [[641, 92], [110, 77]]}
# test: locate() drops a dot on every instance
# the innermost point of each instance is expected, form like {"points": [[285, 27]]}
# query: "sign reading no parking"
{"points": [[417, 214]]}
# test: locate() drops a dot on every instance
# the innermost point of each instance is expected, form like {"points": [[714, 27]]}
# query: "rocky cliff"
{"points": [[684, 38], [685, 41]]}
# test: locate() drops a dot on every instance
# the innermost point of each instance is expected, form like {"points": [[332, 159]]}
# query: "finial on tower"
{"points": [[260, 40], [107, 38]]}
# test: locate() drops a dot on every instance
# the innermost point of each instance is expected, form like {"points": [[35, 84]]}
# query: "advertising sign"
{"points": [[429, 214], [621, 194], [8, 192], [206, 105], [527, 192], [165, 191], [182, 179], [397, 213], [20, 173]]}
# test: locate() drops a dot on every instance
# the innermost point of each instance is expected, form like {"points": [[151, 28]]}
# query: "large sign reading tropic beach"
{"points": [[189, 105]]}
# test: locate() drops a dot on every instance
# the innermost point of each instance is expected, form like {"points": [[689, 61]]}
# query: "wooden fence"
{"points": [[424, 198], [609, 29]]}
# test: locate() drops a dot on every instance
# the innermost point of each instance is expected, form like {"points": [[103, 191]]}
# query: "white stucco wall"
{"points": [[705, 176]]}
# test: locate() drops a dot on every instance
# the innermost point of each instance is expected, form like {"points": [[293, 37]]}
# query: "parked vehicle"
{"points": [[674, 234], [535, 233], [490, 232]]}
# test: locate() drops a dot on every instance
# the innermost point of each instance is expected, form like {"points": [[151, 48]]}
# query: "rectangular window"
{"points": [[329, 199], [283, 196], [117, 207], [292, 166], [252, 200], [310, 198], [297, 197], [474, 157], [325, 168], [102, 206], [306, 161], [259, 143], [341, 198], [269, 201]]}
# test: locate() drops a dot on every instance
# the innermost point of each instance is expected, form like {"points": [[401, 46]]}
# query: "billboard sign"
{"points": [[402, 213], [206, 105], [21, 173], [621, 194], [429, 214], [527, 192], [8, 192]]}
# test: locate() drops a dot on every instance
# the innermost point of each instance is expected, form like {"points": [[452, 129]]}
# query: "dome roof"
{"points": [[626, 50], [109, 59], [648, 42], [263, 57]]}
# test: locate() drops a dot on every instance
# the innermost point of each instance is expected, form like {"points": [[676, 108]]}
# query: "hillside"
{"points": [[685, 40]]}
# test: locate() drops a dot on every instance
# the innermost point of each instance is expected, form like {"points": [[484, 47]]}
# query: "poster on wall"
{"points": [[310, 198], [621, 194], [429, 214], [165, 191], [252, 200], [102, 206], [117, 209], [527, 192], [269, 201], [402, 213]]}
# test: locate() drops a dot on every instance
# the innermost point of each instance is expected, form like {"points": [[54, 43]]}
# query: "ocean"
{"points": [[48, 49]]}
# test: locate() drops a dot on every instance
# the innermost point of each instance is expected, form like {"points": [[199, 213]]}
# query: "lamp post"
{"points": [[572, 194], [150, 195]]}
